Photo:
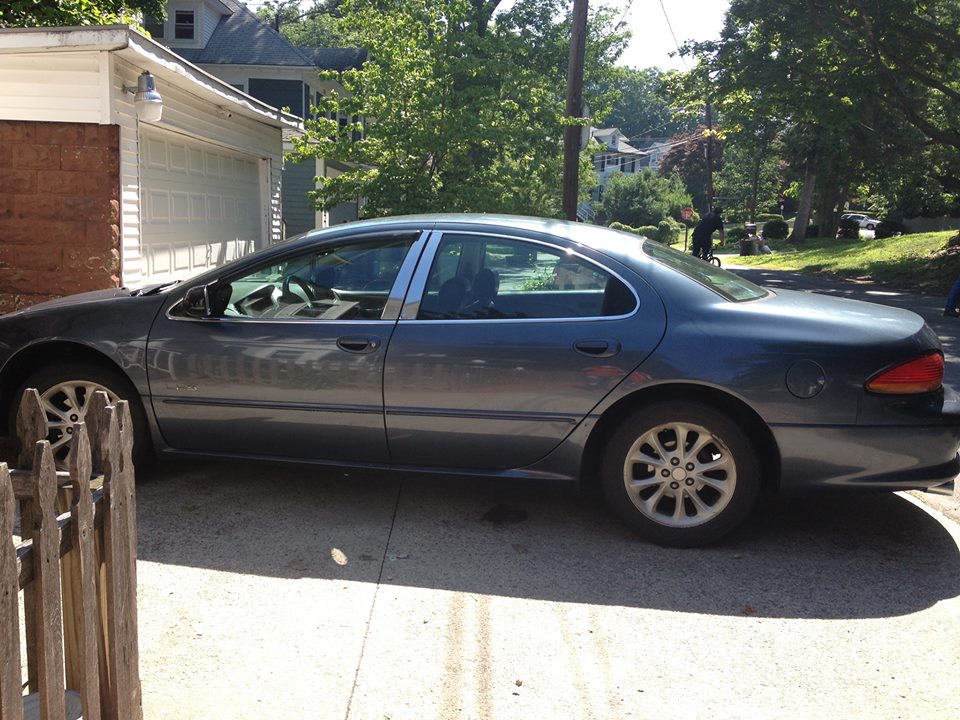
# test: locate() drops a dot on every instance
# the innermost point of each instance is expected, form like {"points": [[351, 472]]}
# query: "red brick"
{"points": [[17, 280], [18, 181], [55, 133], [6, 205], [6, 155], [85, 207], [105, 184], [59, 182], [101, 136], [67, 282], [102, 235], [85, 159], [36, 156], [37, 256], [44, 207], [15, 131], [84, 258], [41, 230]]}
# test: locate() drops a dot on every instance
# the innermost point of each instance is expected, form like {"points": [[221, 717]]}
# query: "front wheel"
{"points": [[65, 393], [681, 474], [715, 260]]}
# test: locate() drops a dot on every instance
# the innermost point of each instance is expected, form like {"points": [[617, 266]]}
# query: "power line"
{"points": [[673, 34]]}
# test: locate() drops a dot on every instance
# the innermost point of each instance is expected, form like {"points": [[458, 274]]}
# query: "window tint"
{"points": [[479, 277], [733, 287], [345, 282]]}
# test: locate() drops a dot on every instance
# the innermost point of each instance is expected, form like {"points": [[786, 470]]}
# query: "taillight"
{"points": [[924, 374]]}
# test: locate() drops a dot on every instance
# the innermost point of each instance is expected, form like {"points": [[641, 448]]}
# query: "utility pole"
{"points": [[709, 157], [571, 133]]}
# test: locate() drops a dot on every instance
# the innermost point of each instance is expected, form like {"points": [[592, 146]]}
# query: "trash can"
{"points": [[748, 246]]}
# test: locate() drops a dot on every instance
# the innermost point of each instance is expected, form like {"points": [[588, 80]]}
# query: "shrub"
{"points": [[849, 229], [889, 228], [648, 231], [668, 231], [737, 233], [776, 230], [767, 217]]}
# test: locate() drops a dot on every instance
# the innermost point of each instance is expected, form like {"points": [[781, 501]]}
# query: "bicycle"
{"points": [[711, 258]]}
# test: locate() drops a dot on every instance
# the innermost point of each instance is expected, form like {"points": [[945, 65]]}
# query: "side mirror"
{"points": [[196, 302]]}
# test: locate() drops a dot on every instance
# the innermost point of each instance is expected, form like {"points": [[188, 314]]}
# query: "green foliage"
{"points": [[643, 107], [668, 231], [767, 217], [737, 233], [37, 13], [465, 112], [319, 26], [776, 229], [686, 159], [642, 198]]}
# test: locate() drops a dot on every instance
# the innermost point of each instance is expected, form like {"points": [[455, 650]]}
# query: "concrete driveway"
{"points": [[271, 592]]}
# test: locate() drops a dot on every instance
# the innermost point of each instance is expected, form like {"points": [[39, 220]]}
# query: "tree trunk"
{"points": [[806, 200]]}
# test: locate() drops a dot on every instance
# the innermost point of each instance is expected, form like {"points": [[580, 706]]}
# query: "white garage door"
{"points": [[201, 205]]}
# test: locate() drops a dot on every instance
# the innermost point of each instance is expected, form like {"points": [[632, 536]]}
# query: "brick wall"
{"points": [[59, 210]]}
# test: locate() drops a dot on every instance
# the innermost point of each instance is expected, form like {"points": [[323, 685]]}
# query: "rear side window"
{"points": [[732, 287], [477, 277]]}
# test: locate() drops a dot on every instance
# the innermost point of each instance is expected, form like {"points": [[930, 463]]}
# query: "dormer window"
{"points": [[183, 25]]}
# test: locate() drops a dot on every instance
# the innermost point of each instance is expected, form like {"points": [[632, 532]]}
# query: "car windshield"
{"points": [[732, 287]]}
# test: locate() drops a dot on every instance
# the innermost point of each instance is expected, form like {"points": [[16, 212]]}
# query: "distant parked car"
{"points": [[864, 221], [508, 347]]}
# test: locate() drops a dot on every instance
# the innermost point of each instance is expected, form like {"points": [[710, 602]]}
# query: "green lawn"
{"points": [[918, 263]]}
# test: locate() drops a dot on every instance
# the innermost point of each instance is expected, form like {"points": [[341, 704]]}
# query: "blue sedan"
{"points": [[507, 346]]}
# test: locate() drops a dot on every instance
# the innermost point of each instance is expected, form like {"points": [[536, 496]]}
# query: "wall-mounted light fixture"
{"points": [[146, 99]]}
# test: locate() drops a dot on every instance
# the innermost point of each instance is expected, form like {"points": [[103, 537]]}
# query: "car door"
{"points": [[289, 360], [504, 345]]}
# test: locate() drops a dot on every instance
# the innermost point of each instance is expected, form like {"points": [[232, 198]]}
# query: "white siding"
{"points": [[195, 118], [209, 19], [63, 87]]}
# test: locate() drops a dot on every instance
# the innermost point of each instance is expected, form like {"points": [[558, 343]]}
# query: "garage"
{"points": [[201, 204]]}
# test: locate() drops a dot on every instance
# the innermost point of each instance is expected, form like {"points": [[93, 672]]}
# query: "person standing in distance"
{"points": [[703, 233]]}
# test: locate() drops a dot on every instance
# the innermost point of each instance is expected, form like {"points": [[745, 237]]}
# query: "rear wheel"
{"points": [[681, 474], [65, 394]]}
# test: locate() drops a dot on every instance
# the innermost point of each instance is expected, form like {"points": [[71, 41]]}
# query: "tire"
{"points": [[715, 260], [718, 484], [871, 227], [64, 387]]}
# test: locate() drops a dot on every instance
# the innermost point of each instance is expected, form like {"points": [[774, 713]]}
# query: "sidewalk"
{"points": [[946, 499]]}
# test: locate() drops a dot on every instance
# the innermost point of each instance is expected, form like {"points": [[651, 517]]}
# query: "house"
{"points": [[229, 41], [97, 192]]}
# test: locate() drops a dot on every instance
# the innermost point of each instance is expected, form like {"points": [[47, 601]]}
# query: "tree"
{"points": [[686, 159], [852, 84], [752, 175], [319, 26], [45, 13], [644, 108], [642, 198], [465, 111]]}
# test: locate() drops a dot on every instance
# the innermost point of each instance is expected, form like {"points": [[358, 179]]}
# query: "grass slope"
{"points": [[917, 263]]}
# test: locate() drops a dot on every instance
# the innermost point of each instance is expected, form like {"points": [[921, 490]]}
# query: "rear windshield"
{"points": [[732, 287]]}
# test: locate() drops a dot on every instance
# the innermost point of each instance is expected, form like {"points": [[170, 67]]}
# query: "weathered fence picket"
{"points": [[76, 566]]}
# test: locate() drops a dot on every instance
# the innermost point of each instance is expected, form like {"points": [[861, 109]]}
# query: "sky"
{"points": [[652, 40]]}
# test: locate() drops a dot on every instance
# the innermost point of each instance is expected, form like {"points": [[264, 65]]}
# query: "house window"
{"points": [[183, 25], [154, 26], [633, 165], [603, 163]]}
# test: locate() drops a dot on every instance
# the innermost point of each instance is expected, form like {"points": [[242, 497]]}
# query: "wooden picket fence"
{"points": [[75, 569]]}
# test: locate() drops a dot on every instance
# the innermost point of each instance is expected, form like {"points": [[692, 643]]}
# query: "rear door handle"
{"points": [[357, 344], [597, 348]]}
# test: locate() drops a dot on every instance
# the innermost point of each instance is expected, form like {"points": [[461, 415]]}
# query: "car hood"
{"points": [[78, 299]]}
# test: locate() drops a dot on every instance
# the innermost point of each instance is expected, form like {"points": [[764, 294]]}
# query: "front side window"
{"points": [[183, 26], [342, 282], [476, 277]]}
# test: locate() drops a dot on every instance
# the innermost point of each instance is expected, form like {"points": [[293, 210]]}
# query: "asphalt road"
{"points": [[295, 592]]}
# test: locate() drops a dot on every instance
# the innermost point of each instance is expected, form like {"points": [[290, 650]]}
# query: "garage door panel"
{"points": [[201, 205]]}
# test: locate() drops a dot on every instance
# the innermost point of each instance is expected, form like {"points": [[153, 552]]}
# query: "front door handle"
{"points": [[597, 348], [358, 344]]}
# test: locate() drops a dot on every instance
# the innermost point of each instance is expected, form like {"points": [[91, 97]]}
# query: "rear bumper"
{"points": [[869, 458]]}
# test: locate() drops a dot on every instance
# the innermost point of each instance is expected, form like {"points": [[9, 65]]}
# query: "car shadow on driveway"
{"points": [[820, 556]]}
